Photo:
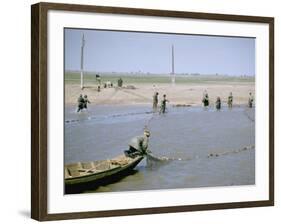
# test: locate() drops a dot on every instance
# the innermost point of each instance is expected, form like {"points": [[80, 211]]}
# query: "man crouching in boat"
{"points": [[138, 145]]}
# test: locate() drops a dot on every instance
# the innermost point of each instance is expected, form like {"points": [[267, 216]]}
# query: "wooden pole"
{"points": [[82, 62], [173, 76]]}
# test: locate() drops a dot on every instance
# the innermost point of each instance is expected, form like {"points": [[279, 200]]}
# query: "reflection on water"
{"points": [[206, 144]]}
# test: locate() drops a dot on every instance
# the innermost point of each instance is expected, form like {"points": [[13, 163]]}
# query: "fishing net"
{"points": [[152, 160], [155, 161], [250, 114]]}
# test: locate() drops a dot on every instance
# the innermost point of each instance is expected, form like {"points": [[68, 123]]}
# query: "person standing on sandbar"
{"points": [[163, 105], [155, 101], [230, 100]]}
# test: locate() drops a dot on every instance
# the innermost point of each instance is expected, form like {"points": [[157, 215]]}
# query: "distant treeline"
{"points": [[90, 78], [152, 74]]}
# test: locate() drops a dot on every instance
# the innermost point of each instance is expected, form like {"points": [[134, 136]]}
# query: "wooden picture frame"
{"points": [[39, 110]]}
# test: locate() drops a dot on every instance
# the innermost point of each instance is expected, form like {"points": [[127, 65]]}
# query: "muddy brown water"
{"points": [[204, 145]]}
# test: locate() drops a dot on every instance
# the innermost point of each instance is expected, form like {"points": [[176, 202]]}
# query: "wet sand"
{"points": [[188, 93]]}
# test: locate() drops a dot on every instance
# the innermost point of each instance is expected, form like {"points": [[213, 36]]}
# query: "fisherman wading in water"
{"points": [[163, 105], [82, 102], [251, 100], [86, 101], [218, 103], [155, 101], [230, 100], [138, 145], [205, 99]]}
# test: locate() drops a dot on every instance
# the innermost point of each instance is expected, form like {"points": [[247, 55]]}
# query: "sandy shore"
{"points": [[186, 94]]}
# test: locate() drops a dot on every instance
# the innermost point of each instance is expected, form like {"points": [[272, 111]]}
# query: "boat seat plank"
{"points": [[104, 165], [73, 169], [87, 165], [66, 173]]}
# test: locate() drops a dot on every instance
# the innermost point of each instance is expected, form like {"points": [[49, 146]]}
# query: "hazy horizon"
{"points": [[150, 53], [112, 73]]}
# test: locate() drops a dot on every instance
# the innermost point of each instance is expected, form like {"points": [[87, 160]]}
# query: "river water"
{"points": [[206, 147]]}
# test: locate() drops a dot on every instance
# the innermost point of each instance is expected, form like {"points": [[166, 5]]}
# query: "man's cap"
{"points": [[147, 132]]}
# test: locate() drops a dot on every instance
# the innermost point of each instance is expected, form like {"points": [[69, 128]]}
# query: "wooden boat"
{"points": [[83, 176]]}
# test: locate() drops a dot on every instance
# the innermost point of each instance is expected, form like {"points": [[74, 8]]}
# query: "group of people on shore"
{"points": [[107, 84], [163, 103], [205, 100], [83, 101]]}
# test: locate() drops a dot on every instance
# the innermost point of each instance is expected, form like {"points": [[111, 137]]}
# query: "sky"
{"points": [[115, 51]]}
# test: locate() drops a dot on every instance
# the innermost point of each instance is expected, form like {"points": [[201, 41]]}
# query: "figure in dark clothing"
{"points": [[155, 101], [86, 101], [120, 82], [80, 103], [251, 100], [163, 105], [218, 103], [205, 99], [230, 100], [98, 78]]}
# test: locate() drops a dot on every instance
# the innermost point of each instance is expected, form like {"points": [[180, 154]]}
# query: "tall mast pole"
{"points": [[173, 77], [82, 61]]}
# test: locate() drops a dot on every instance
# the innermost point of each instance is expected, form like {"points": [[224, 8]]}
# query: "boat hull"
{"points": [[92, 182]]}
